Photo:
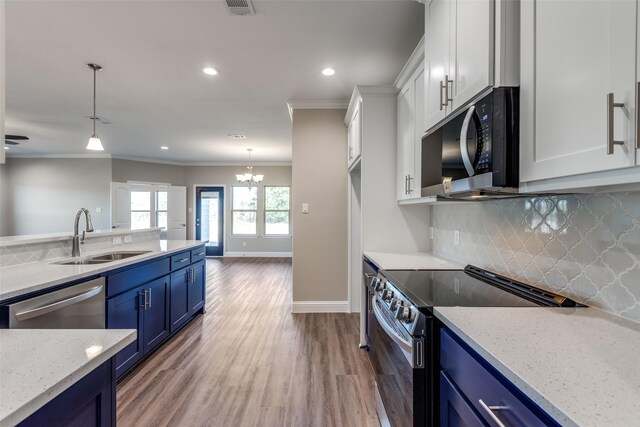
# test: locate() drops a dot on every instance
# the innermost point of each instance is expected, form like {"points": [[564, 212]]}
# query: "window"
{"points": [[244, 210], [161, 209], [276, 210], [140, 209]]}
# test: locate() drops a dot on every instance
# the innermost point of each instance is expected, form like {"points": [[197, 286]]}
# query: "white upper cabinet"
{"points": [[410, 125], [471, 56], [436, 63], [578, 89], [354, 136], [459, 54]]}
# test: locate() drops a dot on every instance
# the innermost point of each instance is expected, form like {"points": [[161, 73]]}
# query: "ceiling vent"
{"points": [[236, 136], [240, 7]]}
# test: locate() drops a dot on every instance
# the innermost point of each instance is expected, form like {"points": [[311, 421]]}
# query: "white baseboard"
{"points": [[258, 254], [320, 307]]}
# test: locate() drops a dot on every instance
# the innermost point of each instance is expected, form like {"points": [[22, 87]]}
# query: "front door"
{"points": [[210, 218]]}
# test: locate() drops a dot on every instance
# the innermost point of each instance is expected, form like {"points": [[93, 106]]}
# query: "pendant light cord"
{"points": [[94, 101]]}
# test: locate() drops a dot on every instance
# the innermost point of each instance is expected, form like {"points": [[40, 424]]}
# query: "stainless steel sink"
{"points": [[102, 259]]}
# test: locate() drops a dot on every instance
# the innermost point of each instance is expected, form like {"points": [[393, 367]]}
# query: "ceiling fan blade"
{"points": [[17, 137]]}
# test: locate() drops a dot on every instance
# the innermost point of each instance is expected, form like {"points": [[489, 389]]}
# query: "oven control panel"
{"points": [[400, 306]]}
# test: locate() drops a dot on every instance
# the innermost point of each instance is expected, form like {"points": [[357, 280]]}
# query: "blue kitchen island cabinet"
{"points": [[473, 393], [89, 402], [156, 298], [197, 288]]}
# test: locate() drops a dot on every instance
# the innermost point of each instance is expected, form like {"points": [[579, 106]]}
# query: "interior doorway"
{"points": [[210, 219]]}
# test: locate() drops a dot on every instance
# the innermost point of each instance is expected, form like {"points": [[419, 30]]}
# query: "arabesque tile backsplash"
{"points": [[583, 246]]}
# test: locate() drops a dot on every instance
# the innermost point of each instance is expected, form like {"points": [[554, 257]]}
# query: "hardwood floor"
{"points": [[249, 362]]}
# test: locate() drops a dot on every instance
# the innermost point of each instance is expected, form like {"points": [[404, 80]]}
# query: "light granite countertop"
{"points": [[410, 261], [37, 365], [580, 365], [26, 278]]}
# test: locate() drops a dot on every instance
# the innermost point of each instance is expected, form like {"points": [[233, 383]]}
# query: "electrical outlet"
{"points": [[128, 239], [98, 210], [456, 237], [244, 243], [117, 240], [431, 232]]}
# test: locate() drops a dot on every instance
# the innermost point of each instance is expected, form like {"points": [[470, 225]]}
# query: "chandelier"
{"points": [[248, 177]]}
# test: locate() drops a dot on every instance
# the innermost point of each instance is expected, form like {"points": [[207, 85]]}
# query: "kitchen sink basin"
{"points": [[116, 256], [102, 259]]}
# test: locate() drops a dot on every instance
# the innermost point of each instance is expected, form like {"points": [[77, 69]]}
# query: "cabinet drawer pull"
{"points": [[442, 104], [611, 104], [149, 298], [200, 254], [490, 411], [409, 186], [182, 260]]}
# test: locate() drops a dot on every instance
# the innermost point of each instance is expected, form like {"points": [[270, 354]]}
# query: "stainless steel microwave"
{"points": [[475, 155]]}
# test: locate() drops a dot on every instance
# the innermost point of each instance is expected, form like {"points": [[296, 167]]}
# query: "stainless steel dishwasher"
{"points": [[80, 306]]}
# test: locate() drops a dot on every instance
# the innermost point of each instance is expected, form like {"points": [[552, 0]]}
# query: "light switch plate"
{"points": [[117, 240], [128, 239], [98, 210], [305, 208]]}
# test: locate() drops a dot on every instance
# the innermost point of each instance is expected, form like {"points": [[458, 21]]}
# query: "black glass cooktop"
{"points": [[430, 288]]}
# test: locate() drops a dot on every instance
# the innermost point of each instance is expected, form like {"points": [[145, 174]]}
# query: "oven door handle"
{"points": [[464, 150], [405, 345]]}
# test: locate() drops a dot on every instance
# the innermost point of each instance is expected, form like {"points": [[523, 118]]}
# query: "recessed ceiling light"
{"points": [[328, 72], [210, 71], [164, 147], [6, 148]]}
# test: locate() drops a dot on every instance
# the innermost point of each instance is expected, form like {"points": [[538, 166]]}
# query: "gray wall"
{"points": [[43, 195], [64, 185], [320, 178], [4, 200], [226, 175], [131, 170]]}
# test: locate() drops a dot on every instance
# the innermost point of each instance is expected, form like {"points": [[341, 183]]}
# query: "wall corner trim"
{"points": [[320, 307]]}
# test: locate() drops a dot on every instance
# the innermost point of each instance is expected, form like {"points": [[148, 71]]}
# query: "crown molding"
{"points": [[59, 156], [315, 104]]}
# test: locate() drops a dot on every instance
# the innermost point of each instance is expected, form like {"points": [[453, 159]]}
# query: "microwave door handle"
{"points": [[464, 150]]}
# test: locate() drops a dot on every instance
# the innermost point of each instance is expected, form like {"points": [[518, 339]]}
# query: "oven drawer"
{"points": [[491, 395]]}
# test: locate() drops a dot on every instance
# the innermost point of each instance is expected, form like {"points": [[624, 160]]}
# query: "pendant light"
{"points": [[248, 177], [94, 142]]}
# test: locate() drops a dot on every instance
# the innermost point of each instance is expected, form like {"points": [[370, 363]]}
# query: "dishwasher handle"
{"points": [[36, 312]]}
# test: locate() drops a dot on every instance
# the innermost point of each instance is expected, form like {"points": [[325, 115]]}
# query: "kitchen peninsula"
{"points": [[142, 293]]}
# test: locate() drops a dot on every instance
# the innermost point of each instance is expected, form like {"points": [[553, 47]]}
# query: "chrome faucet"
{"points": [[75, 247]]}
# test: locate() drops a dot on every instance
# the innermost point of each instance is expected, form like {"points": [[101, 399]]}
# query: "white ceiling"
{"points": [[152, 88]]}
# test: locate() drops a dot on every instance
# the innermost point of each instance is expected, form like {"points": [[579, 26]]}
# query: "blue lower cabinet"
{"points": [[156, 313], [126, 311], [455, 411], [179, 298], [197, 287], [156, 308], [482, 389], [89, 402]]}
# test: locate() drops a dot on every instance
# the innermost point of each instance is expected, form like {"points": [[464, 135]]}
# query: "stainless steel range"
{"points": [[402, 333]]}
